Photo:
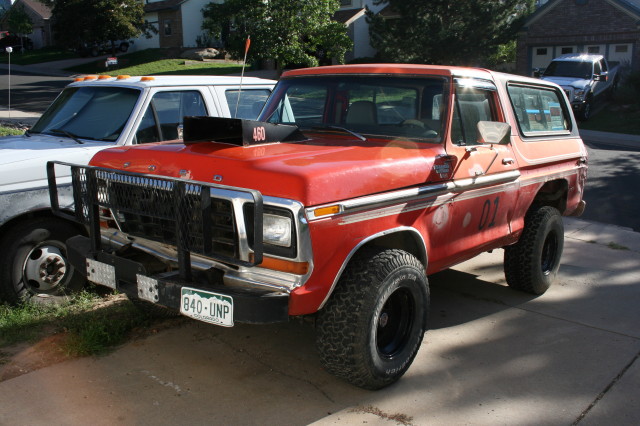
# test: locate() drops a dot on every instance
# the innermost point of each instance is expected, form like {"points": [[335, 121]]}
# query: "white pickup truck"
{"points": [[91, 114], [585, 78]]}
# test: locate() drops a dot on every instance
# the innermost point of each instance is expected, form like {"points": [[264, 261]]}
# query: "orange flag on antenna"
{"points": [[247, 44]]}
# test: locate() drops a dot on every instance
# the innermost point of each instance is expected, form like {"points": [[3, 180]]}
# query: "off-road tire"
{"points": [[531, 265], [372, 326], [20, 246]]}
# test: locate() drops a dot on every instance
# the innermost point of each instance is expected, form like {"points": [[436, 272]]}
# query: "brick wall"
{"points": [[597, 22]]}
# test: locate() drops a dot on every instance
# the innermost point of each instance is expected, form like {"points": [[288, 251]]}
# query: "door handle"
{"points": [[507, 161]]}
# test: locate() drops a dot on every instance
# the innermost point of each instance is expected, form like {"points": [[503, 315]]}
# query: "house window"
{"points": [[593, 49], [344, 3], [566, 50], [622, 48], [167, 27], [541, 51]]}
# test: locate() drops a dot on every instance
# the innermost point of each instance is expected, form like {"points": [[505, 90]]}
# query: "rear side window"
{"points": [[539, 110], [247, 103]]}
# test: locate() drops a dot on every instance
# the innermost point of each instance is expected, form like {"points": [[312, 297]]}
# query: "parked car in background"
{"points": [[89, 115], [584, 78], [104, 47], [16, 42]]}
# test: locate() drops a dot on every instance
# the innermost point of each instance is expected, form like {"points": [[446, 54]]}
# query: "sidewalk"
{"points": [[491, 356]]}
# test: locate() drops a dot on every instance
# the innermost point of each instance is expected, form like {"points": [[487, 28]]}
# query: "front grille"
{"points": [[569, 95], [166, 210]]}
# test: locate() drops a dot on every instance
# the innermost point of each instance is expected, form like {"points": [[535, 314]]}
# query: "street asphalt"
{"points": [[492, 356]]}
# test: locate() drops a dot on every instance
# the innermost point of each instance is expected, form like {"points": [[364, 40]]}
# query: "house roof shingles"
{"points": [[39, 8]]}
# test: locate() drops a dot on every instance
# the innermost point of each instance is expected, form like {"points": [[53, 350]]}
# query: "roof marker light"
{"points": [[91, 77], [123, 77], [104, 77], [147, 78]]}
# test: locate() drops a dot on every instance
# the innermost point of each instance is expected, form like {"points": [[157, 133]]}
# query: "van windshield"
{"points": [[94, 113], [378, 106]]}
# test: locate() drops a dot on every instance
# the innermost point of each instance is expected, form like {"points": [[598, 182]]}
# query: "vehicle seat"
{"points": [[362, 112]]}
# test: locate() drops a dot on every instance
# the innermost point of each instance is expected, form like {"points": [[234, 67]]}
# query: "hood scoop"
{"points": [[236, 131]]}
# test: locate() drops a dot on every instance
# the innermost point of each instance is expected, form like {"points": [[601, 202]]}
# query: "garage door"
{"points": [[620, 53], [541, 56]]}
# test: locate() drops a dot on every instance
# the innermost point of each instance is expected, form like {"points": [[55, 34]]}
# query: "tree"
{"points": [[288, 31], [95, 21], [18, 21], [446, 32]]}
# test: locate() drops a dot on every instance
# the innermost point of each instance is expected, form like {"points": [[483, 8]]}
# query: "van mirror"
{"points": [[494, 132]]}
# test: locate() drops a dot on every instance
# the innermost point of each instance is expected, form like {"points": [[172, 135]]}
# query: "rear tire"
{"points": [[371, 328], [532, 264], [35, 266]]}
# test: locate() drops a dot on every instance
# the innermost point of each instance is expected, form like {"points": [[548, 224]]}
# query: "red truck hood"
{"points": [[315, 171]]}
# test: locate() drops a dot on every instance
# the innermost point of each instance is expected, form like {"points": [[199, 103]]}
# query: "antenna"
{"points": [[244, 64]]}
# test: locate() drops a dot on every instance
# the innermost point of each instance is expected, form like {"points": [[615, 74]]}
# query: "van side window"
{"points": [[165, 113], [539, 110], [250, 103], [471, 106]]}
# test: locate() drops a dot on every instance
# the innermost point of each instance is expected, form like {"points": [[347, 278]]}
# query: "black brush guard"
{"points": [[167, 210]]}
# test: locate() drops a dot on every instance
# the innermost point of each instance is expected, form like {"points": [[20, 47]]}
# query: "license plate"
{"points": [[206, 306]]}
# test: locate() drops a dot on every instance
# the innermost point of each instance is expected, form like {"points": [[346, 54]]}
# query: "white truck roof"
{"points": [[582, 57], [168, 80]]}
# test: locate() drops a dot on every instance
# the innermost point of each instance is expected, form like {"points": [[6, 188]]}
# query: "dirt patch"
{"points": [[23, 358]]}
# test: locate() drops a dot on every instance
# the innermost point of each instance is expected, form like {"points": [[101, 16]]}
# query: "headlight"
{"points": [[578, 94], [276, 230]]}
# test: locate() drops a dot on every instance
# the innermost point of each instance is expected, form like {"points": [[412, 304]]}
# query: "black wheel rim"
{"points": [[394, 323], [549, 253]]}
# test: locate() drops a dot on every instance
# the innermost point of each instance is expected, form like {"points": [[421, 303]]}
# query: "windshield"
{"points": [[582, 70], [95, 113], [383, 106]]}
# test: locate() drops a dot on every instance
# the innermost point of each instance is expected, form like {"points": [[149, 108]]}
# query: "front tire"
{"points": [[35, 265], [371, 328], [532, 264]]}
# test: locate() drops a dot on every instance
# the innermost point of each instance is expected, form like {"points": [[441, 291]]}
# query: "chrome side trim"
{"points": [[413, 194], [365, 241]]}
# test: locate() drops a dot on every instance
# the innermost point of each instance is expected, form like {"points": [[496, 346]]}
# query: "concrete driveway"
{"points": [[492, 356]]}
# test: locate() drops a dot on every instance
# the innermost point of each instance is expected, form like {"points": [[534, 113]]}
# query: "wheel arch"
{"points": [[554, 193], [39, 213], [404, 238]]}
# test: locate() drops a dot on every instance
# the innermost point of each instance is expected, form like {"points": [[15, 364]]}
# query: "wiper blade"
{"points": [[69, 135], [343, 129]]}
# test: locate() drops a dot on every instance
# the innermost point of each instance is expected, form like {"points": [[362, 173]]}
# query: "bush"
{"points": [[628, 92]]}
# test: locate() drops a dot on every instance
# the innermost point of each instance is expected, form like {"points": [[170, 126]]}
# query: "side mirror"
{"points": [[494, 132], [604, 76], [537, 73]]}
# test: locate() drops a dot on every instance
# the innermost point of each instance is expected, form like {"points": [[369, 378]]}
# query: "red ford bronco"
{"points": [[355, 185]]}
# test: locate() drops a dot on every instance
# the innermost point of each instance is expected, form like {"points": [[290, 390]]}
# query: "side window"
{"points": [[471, 106], [250, 103], [165, 113], [539, 110]]}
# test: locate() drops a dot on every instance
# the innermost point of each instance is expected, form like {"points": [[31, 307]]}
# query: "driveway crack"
{"points": [[606, 390]]}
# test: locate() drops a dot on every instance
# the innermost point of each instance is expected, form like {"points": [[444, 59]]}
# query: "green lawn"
{"points": [[155, 62], [6, 131], [31, 57]]}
